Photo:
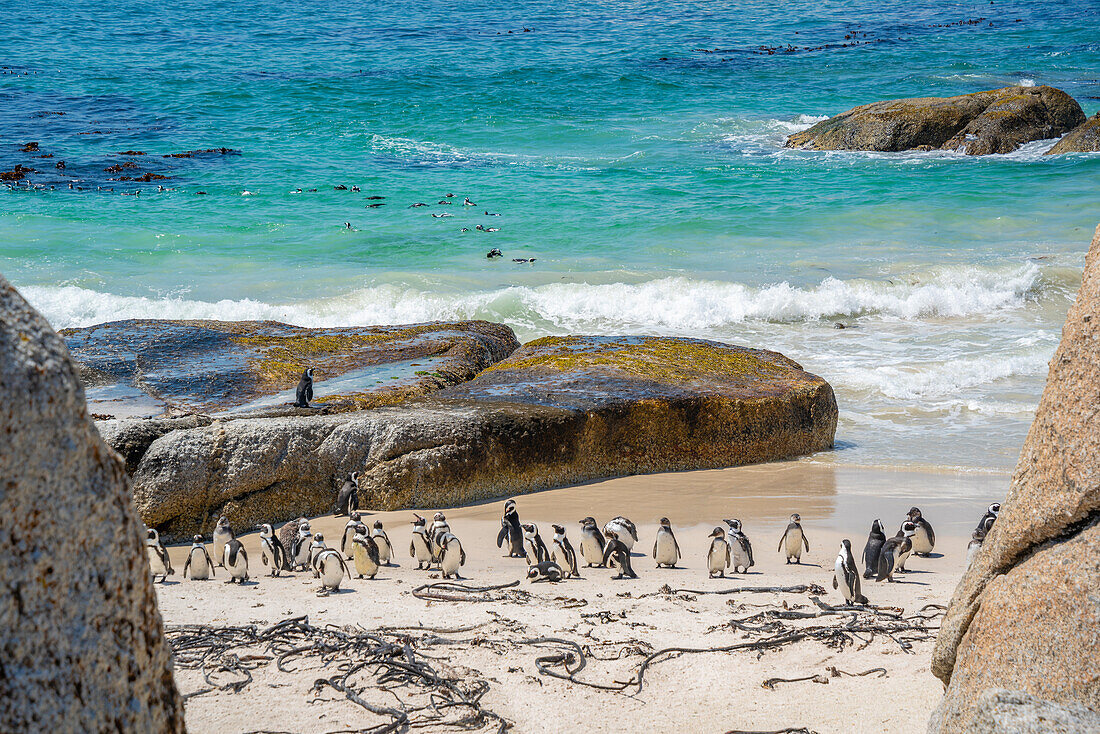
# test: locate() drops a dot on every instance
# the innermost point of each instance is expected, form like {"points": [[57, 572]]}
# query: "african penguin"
{"points": [[364, 553], [873, 550], [316, 547], [892, 551], [666, 551], [452, 555], [545, 571], [271, 549], [436, 531], [347, 501], [385, 548], [300, 554], [420, 547], [511, 531], [304, 393], [989, 517], [974, 546], [846, 575], [925, 538], [198, 561], [617, 552], [533, 547], [563, 553], [740, 547], [235, 560], [718, 556], [330, 568], [592, 543], [223, 533], [624, 529], [793, 539], [288, 533], [349, 535], [159, 562]]}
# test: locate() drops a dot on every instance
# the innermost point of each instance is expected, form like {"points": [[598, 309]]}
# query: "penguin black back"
{"points": [[872, 550], [617, 550], [304, 393]]}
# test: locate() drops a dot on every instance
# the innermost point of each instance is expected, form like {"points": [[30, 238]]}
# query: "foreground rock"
{"points": [[1085, 138], [82, 646], [997, 121], [147, 368], [1026, 616], [557, 412]]}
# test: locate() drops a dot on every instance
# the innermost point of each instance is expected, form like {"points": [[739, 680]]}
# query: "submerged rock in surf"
{"points": [[557, 412], [996, 121], [1085, 138]]}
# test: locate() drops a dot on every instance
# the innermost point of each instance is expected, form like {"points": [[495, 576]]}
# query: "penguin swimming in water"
{"points": [[159, 562], [545, 571], [925, 538], [793, 539], [420, 547], [271, 549], [873, 550], [666, 551], [347, 501], [989, 517], [617, 552], [331, 569], [349, 535], [304, 393], [223, 533], [198, 561], [511, 531], [451, 556], [385, 548], [622, 527], [592, 543], [892, 551], [563, 553], [365, 553], [718, 557], [235, 560], [740, 547], [974, 546], [846, 575], [533, 547]]}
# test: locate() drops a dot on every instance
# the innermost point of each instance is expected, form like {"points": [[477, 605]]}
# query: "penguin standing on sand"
{"points": [[300, 554], [271, 549], [740, 547], [617, 552], [235, 560], [622, 527], [893, 550], [974, 546], [349, 535], [316, 548], [563, 553], [718, 557], [436, 531], [925, 538], [288, 533], [223, 533], [159, 562], [873, 550], [385, 548], [420, 547], [364, 553], [907, 550], [347, 501], [533, 547], [198, 561], [846, 575], [451, 556], [666, 551], [331, 569], [592, 543], [511, 531], [793, 539], [304, 393]]}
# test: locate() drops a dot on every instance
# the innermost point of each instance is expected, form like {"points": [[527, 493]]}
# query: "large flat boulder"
{"points": [[558, 411], [996, 121], [1085, 138], [82, 648], [1026, 615], [146, 368]]}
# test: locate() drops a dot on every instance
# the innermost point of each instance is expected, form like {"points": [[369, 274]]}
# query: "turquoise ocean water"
{"points": [[632, 149]]}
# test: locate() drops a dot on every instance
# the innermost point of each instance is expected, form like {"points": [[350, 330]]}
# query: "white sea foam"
{"points": [[1025, 82], [947, 380]]}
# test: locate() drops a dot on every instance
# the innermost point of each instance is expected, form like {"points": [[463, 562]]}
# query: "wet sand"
{"points": [[715, 691]]}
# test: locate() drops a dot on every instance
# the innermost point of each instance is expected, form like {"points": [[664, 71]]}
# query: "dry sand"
{"points": [[709, 691]]}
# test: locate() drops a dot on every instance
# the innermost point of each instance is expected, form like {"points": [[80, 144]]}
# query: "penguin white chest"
{"points": [[332, 573], [199, 568], [346, 545], [793, 543], [156, 565], [666, 549], [741, 557], [718, 555], [451, 559], [624, 535], [420, 544], [590, 549], [922, 542], [364, 566], [383, 547]]}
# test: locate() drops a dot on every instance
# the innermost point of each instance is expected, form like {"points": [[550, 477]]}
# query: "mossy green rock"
{"points": [[558, 411], [996, 121], [1085, 138], [153, 367]]}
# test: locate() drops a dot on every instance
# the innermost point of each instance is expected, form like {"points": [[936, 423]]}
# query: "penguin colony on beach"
{"points": [[435, 547]]}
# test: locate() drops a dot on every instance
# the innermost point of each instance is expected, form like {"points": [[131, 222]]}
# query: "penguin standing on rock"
{"points": [[718, 557], [873, 550], [304, 393], [364, 553], [198, 561], [533, 546], [420, 547], [989, 517], [271, 549], [159, 562], [347, 501], [385, 548], [793, 539], [349, 535], [235, 560], [666, 551], [975, 546], [223, 533], [511, 531], [740, 547], [617, 552], [563, 553], [592, 543], [893, 550], [846, 575], [925, 538]]}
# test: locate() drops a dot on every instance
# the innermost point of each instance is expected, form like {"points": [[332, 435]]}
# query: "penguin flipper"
{"points": [[654, 547], [835, 584], [461, 556], [781, 542], [186, 564], [412, 549], [885, 566], [748, 549], [806, 541], [729, 555], [372, 551], [931, 533], [209, 562], [502, 535]]}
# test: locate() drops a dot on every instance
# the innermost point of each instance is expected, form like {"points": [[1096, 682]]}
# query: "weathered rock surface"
{"points": [[149, 367], [1012, 712], [1026, 614], [556, 412], [132, 438], [82, 648], [1085, 138], [997, 121]]}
